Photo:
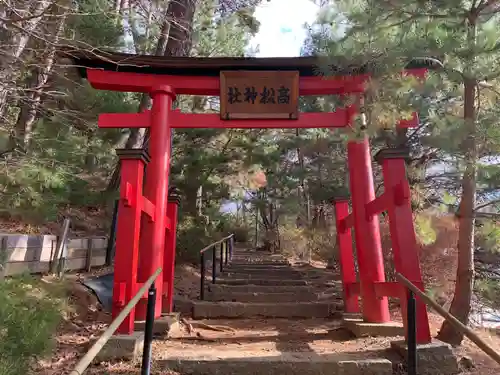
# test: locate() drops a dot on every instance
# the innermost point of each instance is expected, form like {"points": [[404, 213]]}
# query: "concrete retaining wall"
{"points": [[22, 253]]}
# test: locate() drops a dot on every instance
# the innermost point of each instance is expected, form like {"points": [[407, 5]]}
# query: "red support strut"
{"points": [[127, 233], [169, 256], [347, 267], [156, 189], [403, 238], [367, 232]]}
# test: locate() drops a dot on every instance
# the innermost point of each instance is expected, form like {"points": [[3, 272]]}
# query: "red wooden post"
{"points": [[344, 243], [127, 233], [366, 232], [403, 238], [156, 190], [169, 256]]}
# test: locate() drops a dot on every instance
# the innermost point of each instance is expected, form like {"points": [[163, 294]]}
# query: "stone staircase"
{"points": [[261, 285], [280, 318]]}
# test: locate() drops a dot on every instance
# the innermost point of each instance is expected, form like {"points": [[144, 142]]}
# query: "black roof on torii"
{"points": [[212, 66]]}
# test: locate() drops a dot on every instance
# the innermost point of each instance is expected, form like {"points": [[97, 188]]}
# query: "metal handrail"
{"points": [[99, 344], [226, 253], [215, 243], [458, 325]]}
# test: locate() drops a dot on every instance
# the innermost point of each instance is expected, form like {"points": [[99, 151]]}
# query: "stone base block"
{"points": [[183, 305], [355, 316], [163, 326], [122, 347], [359, 328], [435, 358]]}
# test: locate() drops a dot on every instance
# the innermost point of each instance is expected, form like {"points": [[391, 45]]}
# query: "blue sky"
{"points": [[282, 32]]}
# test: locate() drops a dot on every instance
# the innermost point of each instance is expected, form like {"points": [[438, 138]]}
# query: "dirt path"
{"points": [[244, 338]]}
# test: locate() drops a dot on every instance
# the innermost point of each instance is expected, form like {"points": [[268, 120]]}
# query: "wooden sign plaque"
{"points": [[259, 95]]}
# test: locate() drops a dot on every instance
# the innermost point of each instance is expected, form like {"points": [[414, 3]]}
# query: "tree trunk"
{"points": [[31, 101], [15, 44], [461, 304], [175, 40], [136, 136], [270, 221], [180, 36]]}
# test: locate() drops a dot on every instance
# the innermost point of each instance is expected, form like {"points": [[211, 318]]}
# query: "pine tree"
{"points": [[460, 96]]}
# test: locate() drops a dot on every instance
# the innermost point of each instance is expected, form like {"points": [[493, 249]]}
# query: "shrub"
{"points": [[309, 243], [192, 236], [30, 311], [241, 233]]}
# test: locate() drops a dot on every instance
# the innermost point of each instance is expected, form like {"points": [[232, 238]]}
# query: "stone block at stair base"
{"points": [[122, 347], [183, 305], [355, 316], [359, 328], [207, 310], [435, 358], [163, 326]]}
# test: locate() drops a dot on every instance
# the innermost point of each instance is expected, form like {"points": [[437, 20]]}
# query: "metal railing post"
{"points": [[457, 324], [202, 277], [232, 244], [231, 247], [221, 256], [148, 331], [214, 264], [226, 251], [82, 365], [412, 333], [110, 248]]}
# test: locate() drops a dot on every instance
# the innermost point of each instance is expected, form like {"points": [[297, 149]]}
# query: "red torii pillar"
{"points": [[346, 256], [169, 254], [160, 140], [131, 205], [397, 202], [152, 242], [366, 231]]}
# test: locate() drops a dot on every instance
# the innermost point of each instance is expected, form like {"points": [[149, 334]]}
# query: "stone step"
{"points": [[250, 261], [226, 274], [248, 281], [253, 269], [269, 265], [263, 271], [214, 310], [211, 362], [299, 289], [263, 297]]}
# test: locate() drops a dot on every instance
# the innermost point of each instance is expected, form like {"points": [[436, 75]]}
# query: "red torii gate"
{"points": [[163, 78]]}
